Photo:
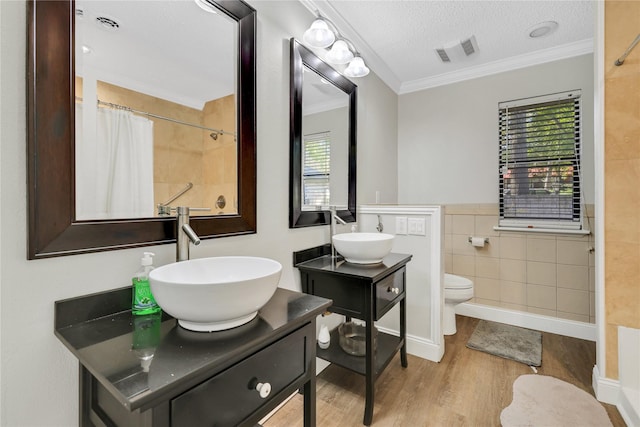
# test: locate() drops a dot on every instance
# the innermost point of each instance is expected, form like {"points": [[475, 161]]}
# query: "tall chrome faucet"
{"points": [[332, 227], [184, 234]]}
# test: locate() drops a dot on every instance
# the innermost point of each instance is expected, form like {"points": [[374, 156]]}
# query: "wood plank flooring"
{"points": [[467, 388]]}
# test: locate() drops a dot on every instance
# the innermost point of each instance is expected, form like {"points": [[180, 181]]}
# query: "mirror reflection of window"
{"points": [[316, 169]]}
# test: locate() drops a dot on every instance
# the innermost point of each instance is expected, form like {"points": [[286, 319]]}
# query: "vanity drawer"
{"points": [[388, 290], [228, 398]]}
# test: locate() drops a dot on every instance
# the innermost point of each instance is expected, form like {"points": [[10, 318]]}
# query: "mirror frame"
{"points": [[301, 56], [53, 229]]}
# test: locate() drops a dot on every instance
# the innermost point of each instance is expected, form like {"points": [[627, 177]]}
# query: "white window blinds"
{"points": [[539, 163], [316, 169]]}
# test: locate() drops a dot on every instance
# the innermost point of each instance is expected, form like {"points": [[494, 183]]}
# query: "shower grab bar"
{"points": [[164, 209], [620, 60]]}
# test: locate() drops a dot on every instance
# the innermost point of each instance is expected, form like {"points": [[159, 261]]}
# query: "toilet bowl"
{"points": [[456, 290]]}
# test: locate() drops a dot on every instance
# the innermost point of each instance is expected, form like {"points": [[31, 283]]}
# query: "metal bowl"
{"points": [[353, 338]]}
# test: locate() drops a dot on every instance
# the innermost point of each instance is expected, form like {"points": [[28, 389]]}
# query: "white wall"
{"points": [[39, 375], [448, 135]]}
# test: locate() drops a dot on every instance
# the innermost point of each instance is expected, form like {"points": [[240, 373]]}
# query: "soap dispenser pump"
{"points": [[324, 337], [143, 301]]}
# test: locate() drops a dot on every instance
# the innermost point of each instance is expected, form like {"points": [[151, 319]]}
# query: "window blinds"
{"points": [[316, 169], [539, 162]]}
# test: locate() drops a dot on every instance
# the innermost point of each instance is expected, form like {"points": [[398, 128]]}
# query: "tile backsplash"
{"points": [[549, 274]]}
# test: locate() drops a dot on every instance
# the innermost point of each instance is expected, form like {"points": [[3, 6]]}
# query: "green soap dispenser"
{"points": [[143, 301]]}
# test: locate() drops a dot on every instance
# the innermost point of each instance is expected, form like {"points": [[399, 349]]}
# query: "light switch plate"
{"points": [[416, 226], [401, 225]]}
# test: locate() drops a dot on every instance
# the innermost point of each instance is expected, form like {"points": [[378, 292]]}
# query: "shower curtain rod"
{"points": [[169, 119]]}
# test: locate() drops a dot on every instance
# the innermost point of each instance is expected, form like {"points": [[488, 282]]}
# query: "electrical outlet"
{"points": [[401, 225], [417, 227]]}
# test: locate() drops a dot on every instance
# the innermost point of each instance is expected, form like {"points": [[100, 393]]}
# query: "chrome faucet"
{"points": [[332, 227], [184, 234]]}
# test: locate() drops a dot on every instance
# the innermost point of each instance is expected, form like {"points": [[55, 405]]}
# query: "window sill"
{"points": [[543, 230]]}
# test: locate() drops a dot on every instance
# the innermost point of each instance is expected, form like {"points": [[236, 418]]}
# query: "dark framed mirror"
{"points": [[51, 135], [322, 170]]}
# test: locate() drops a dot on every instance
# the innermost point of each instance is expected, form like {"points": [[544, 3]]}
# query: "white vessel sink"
{"points": [[363, 248], [214, 294]]}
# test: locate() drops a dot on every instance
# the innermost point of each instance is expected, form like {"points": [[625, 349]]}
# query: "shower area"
{"points": [[138, 155]]}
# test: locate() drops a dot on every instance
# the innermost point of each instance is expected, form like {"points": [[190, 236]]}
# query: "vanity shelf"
{"points": [[365, 292], [193, 378]]}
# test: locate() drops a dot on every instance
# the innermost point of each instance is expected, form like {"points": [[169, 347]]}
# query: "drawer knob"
{"points": [[393, 290], [264, 389]]}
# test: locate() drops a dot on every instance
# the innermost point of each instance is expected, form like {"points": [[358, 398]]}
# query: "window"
{"points": [[539, 163], [316, 168]]}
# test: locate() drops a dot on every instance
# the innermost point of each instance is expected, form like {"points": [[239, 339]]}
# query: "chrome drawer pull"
{"points": [[393, 290], [264, 389]]}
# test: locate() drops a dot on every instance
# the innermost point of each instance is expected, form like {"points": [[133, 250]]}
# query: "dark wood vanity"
{"points": [[365, 292], [226, 378]]}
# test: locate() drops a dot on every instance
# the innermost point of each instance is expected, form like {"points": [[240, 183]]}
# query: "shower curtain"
{"points": [[114, 168]]}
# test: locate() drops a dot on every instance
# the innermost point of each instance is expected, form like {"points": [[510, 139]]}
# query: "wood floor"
{"points": [[467, 387]]}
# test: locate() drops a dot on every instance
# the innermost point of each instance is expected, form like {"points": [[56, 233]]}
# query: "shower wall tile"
{"points": [[510, 306], [491, 249], [573, 277], [592, 279], [448, 227], [448, 263], [448, 243], [489, 302], [541, 273]]}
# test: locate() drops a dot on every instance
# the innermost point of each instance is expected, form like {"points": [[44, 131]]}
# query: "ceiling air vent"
{"points": [[458, 49]]}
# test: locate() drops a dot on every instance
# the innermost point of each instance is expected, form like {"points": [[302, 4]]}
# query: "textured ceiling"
{"points": [[397, 38]]}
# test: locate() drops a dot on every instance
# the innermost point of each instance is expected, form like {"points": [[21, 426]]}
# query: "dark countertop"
{"points": [[326, 264], [108, 340]]}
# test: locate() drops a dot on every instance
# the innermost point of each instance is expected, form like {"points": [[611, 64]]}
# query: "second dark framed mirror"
{"points": [[322, 141]]}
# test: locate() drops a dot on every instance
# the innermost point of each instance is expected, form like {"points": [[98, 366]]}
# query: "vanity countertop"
{"points": [[327, 264], [108, 340]]}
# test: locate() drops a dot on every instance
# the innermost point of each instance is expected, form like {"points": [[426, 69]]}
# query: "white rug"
{"points": [[539, 400]]}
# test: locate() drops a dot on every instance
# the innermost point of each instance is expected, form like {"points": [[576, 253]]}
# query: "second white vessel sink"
{"points": [[217, 293], [363, 248]]}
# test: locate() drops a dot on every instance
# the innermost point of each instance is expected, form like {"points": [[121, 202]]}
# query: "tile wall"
{"points": [[548, 274]]}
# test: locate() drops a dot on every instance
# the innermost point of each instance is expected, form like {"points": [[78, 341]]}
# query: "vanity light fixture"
{"points": [[323, 34]]}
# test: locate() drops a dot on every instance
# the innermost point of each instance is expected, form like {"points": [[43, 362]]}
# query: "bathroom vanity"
{"points": [[365, 292], [148, 371]]}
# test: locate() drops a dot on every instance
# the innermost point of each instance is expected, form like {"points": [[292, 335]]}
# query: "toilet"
{"points": [[456, 290]]}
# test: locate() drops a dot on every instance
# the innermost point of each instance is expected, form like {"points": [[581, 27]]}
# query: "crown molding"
{"points": [[569, 50]]}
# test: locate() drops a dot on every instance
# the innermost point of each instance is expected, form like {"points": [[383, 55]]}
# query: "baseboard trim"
{"points": [[554, 325], [418, 346], [629, 412]]}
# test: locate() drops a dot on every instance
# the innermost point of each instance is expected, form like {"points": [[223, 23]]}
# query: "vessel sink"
{"points": [[217, 293], [363, 248]]}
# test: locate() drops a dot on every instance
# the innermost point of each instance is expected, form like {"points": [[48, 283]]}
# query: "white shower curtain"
{"points": [[114, 169]]}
